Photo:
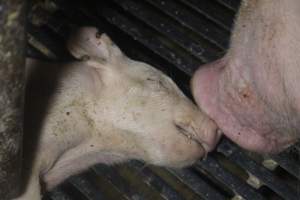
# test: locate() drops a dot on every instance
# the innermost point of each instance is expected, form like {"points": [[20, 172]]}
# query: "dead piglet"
{"points": [[108, 109], [253, 92]]}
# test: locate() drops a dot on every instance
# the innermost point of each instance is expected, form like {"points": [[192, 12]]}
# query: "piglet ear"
{"points": [[88, 42], [105, 49]]}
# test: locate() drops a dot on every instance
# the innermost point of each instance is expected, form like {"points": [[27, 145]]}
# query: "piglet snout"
{"points": [[199, 129], [193, 138]]}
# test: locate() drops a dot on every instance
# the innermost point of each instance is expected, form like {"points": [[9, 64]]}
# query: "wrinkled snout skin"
{"points": [[252, 93], [106, 108]]}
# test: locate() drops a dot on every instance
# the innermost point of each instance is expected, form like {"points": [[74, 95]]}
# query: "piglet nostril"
{"points": [[182, 130], [189, 132]]}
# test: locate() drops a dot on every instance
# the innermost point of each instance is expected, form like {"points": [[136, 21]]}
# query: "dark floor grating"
{"points": [[175, 36]]}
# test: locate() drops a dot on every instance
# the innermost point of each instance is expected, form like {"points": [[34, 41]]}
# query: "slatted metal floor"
{"points": [[176, 36]]}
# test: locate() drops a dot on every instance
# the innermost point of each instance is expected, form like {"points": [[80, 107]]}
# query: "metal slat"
{"points": [[238, 186], [76, 13], [47, 42], [186, 64], [197, 184], [290, 161], [202, 25], [58, 194], [34, 41], [65, 191], [119, 182], [86, 186], [231, 4], [212, 11], [155, 181], [169, 29], [297, 147], [277, 185], [56, 21], [32, 52]]}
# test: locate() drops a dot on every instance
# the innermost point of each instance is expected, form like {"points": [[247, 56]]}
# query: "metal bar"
{"points": [[169, 29], [290, 161], [65, 191], [231, 4], [212, 11], [194, 21], [86, 186], [198, 185], [43, 39], [155, 181], [58, 194], [76, 14], [119, 182], [35, 53], [235, 184], [297, 147], [12, 82], [265, 176]]}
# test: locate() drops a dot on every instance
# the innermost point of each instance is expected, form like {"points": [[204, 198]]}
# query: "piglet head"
{"points": [[133, 100]]}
